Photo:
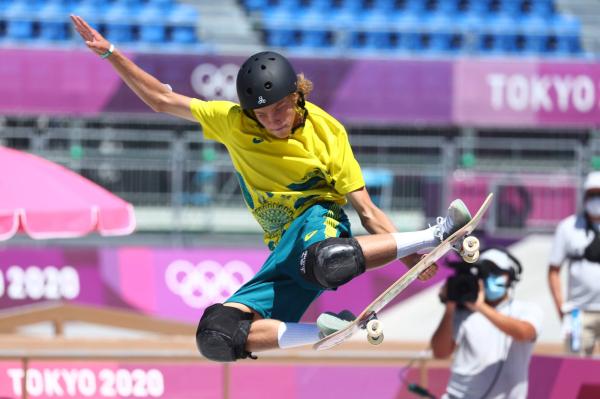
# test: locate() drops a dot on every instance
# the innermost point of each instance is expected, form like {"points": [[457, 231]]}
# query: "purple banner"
{"points": [[175, 284], [464, 92], [75, 82]]}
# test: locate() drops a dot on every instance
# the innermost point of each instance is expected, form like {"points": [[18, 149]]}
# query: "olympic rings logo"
{"points": [[215, 83], [207, 282]]}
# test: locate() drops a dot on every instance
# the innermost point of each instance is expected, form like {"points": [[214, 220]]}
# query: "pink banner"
{"points": [[96, 380], [168, 283], [526, 93], [550, 377]]}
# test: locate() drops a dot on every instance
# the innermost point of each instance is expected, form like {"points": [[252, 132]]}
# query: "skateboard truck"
{"points": [[374, 329], [468, 248]]}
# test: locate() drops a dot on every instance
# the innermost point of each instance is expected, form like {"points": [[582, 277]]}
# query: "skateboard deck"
{"points": [[397, 287]]}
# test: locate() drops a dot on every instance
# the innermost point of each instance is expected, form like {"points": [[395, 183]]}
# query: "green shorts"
{"points": [[278, 290]]}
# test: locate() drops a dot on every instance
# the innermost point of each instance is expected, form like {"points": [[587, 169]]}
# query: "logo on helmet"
{"points": [[261, 100]]}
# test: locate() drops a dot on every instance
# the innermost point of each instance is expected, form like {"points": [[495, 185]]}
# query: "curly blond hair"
{"points": [[304, 85]]}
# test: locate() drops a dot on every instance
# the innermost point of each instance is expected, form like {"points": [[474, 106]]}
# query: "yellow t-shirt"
{"points": [[280, 178]]}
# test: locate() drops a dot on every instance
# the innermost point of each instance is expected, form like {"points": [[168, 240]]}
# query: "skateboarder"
{"points": [[296, 169]]}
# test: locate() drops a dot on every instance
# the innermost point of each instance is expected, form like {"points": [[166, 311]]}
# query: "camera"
{"points": [[463, 286]]}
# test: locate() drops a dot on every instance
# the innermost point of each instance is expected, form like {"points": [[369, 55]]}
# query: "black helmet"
{"points": [[264, 79]]}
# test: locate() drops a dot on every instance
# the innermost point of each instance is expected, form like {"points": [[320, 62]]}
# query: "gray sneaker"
{"points": [[458, 215], [330, 322]]}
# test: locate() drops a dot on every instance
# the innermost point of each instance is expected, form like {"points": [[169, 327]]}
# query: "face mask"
{"points": [[592, 206], [495, 287]]}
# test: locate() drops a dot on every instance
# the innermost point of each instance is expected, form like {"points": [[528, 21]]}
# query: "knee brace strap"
{"points": [[332, 262], [222, 333]]}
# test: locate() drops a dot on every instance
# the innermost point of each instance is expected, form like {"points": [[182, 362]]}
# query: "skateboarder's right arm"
{"points": [[156, 95]]}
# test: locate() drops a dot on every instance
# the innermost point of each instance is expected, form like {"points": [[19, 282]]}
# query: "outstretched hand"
{"points": [[94, 40]]}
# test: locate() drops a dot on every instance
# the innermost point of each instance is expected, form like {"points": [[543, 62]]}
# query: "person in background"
{"points": [[577, 244], [492, 338]]}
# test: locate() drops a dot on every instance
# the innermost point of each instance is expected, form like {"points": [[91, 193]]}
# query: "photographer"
{"points": [[493, 334]]}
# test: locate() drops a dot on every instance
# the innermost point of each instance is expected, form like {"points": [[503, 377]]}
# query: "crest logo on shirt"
{"points": [[261, 100], [257, 140]]}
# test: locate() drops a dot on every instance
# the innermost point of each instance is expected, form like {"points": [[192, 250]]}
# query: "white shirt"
{"points": [[487, 361], [571, 239]]}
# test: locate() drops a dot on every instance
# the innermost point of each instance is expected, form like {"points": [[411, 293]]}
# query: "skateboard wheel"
{"points": [[471, 257], [375, 340], [470, 244], [374, 328]]}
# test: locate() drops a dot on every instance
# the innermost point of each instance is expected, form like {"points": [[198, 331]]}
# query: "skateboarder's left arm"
{"points": [[373, 219]]}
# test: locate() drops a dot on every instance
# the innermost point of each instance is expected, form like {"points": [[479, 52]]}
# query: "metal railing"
{"points": [[165, 167]]}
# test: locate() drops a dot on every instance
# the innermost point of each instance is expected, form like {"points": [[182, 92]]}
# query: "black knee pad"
{"points": [[222, 333], [332, 262]]}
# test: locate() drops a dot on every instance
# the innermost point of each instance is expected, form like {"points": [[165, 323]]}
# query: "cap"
{"points": [[592, 181]]}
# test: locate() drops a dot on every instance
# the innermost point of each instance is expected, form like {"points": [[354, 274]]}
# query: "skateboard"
{"points": [[461, 241]]}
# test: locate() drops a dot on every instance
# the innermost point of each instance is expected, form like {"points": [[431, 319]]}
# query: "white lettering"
{"points": [[86, 382], [35, 382], [497, 82], [540, 97], [16, 377], [583, 93], [52, 385], [37, 283], [562, 85], [70, 379], [535, 93], [517, 92]]}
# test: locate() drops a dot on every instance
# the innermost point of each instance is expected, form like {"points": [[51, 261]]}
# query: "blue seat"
{"points": [[502, 28], [480, 7], [470, 26], [256, 5], [91, 10], [567, 30], [417, 7], [119, 23], [409, 29], [512, 8], [183, 20], [152, 28], [315, 38], [448, 7], [542, 8], [53, 22], [536, 33], [441, 32], [19, 21], [281, 37]]}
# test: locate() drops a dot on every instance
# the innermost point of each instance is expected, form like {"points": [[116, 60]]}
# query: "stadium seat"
{"points": [[440, 33], [536, 33], [53, 22], [256, 5], [119, 23], [410, 31], [19, 21], [567, 30], [183, 20], [152, 28], [502, 30], [542, 8], [281, 37]]}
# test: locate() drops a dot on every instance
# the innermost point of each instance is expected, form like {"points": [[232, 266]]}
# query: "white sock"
{"points": [[290, 335], [414, 241]]}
